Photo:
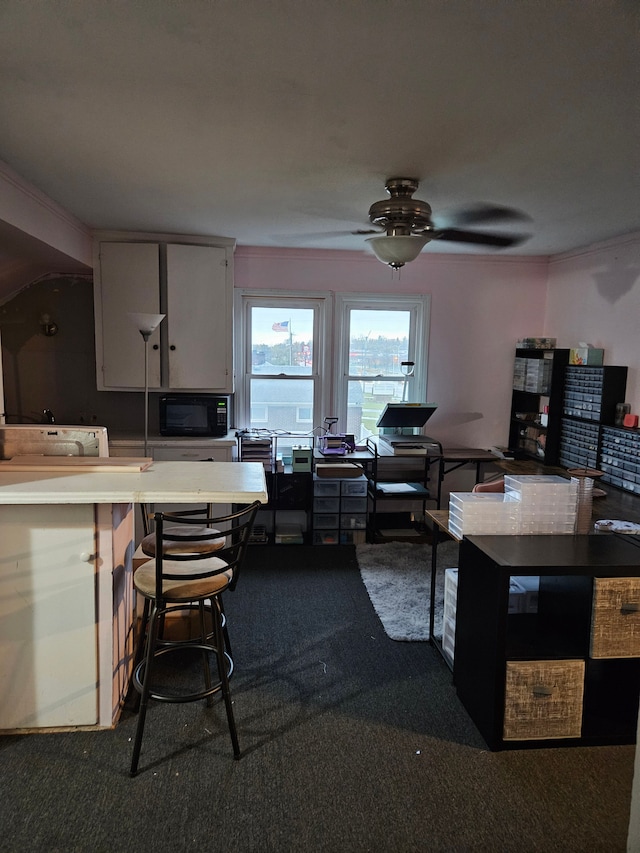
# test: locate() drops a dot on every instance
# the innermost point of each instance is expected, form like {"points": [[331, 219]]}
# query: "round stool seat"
{"points": [[212, 542], [189, 589]]}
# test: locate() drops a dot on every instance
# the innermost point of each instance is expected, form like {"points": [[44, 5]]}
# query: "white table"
{"points": [[66, 593]]}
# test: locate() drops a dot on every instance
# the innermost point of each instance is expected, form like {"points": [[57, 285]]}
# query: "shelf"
{"points": [[546, 394], [521, 676]]}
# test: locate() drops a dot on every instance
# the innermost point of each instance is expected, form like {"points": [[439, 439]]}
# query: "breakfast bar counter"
{"points": [[66, 593]]}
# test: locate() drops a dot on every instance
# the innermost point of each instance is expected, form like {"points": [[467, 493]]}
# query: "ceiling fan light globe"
{"points": [[396, 251]]}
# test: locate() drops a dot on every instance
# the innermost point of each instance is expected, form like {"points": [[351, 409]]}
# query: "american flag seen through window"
{"points": [[281, 327]]}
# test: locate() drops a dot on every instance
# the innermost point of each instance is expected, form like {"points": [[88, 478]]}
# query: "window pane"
{"points": [[366, 400], [378, 342], [282, 404], [282, 340]]}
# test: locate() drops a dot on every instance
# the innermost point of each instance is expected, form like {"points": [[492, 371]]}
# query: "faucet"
{"points": [[48, 417]]}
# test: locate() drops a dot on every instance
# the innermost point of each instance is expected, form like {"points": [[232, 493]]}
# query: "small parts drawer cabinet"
{"points": [[567, 674], [339, 510], [620, 457]]}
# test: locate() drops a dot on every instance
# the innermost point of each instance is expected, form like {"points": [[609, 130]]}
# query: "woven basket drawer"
{"points": [[543, 699], [615, 618]]}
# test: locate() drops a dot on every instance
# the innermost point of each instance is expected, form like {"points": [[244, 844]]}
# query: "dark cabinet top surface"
{"points": [[608, 553]]}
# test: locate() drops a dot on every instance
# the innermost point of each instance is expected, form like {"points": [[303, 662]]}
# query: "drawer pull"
{"points": [[630, 607], [542, 692]]}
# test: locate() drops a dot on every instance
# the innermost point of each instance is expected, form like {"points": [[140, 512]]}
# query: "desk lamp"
{"points": [[407, 368]]}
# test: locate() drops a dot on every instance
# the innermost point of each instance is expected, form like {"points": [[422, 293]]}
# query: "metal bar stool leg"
{"points": [[224, 680], [205, 655], [147, 663], [227, 642]]}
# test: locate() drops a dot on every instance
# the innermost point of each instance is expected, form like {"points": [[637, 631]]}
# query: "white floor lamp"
{"points": [[146, 324]]}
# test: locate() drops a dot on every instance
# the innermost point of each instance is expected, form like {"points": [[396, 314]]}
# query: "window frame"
{"points": [[418, 306], [245, 300], [331, 345]]}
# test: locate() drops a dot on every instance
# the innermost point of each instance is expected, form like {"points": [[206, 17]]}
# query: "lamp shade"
{"points": [[397, 250], [146, 323]]}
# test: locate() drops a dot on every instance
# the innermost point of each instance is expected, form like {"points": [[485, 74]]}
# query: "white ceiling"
{"points": [[277, 121]]}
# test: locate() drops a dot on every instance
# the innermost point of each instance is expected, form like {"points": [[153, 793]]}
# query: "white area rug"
{"points": [[397, 576]]}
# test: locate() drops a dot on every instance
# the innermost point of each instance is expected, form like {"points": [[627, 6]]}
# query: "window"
{"points": [[281, 348], [377, 335], [289, 378]]}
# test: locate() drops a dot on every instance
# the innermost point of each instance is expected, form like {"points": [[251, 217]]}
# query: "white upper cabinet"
{"points": [[192, 284], [199, 318], [130, 282]]}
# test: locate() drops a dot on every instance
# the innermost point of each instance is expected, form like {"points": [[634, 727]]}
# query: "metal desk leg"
{"points": [[434, 563]]}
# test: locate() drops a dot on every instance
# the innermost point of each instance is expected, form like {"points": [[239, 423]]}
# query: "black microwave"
{"points": [[194, 414]]}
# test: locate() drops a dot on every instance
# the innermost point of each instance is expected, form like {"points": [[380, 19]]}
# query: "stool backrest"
{"points": [[236, 529]]}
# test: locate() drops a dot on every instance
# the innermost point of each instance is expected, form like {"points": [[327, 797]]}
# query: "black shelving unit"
{"points": [[539, 376], [584, 670]]}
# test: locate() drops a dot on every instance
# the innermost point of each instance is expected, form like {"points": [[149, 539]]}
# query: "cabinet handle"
{"points": [[86, 557], [172, 347], [542, 692], [629, 607], [156, 346]]}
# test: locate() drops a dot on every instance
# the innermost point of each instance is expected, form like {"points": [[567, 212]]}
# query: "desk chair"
{"points": [[490, 486], [189, 567]]}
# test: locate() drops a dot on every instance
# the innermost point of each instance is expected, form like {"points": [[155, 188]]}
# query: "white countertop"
{"points": [[176, 482]]}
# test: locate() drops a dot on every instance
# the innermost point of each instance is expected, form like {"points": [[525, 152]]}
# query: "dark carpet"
{"points": [[352, 742]]}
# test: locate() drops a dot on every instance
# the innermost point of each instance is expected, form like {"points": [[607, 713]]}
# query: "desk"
{"points": [[66, 592], [458, 457]]}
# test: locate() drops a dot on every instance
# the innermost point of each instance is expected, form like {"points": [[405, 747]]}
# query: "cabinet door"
{"points": [[129, 281], [48, 657], [199, 318]]}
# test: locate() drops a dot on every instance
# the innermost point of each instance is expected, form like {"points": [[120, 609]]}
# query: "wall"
{"points": [[479, 308], [594, 296], [59, 372]]}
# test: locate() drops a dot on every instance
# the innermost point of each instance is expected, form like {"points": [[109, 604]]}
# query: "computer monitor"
{"points": [[397, 415]]}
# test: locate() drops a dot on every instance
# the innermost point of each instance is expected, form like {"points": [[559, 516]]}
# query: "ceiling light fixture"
{"points": [[405, 220], [396, 250]]}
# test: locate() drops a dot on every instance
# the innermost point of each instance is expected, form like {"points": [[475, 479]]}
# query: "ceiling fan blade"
{"points": [[483, 213], [479, 238]]}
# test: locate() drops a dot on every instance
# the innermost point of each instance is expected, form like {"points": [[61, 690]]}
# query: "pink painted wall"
{"points": [[594, 296], [480, 306]]}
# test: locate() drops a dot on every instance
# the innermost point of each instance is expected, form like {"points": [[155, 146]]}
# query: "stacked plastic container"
{"points": [[530, 504], [483, 512], [449, 613], [547, 503]]}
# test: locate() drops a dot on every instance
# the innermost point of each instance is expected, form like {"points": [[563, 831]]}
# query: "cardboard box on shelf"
{"points": [[586, 356]]}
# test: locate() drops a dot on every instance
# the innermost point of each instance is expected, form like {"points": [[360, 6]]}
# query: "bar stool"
{"points": [[190, 568], [199, 539]]}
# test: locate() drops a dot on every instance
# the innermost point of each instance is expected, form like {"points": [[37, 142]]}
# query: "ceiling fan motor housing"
{"points": [[401, 215]]}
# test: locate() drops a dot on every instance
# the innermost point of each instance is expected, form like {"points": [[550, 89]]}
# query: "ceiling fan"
{"points": [[407, 225]]}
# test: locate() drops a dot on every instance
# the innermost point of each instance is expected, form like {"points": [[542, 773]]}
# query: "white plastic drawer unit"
{"points": [[356, 487], [353, 504], [326, 487], [326, 521], [353, 521], [330, 504]]}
